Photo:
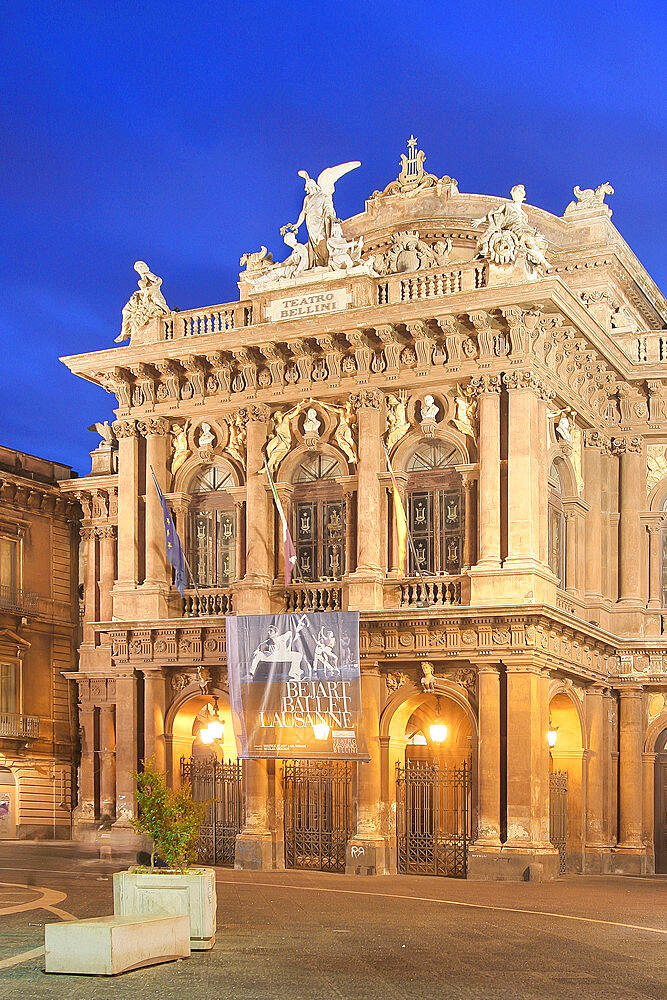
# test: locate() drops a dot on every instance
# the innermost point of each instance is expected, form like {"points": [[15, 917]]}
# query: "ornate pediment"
{"points": [[413, 179]]}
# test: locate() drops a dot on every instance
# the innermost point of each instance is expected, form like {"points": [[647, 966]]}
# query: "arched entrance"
{"points": [[660, 818], [434, 775], [213, 770], [567, 807], [8, 804]]}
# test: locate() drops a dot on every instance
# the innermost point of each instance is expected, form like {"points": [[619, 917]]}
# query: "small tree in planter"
{"points": [[172, 819]]}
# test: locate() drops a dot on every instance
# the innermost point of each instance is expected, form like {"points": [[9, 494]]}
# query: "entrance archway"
{"points": [[433, 783], [8, 804], [183, 723], [568, 756]]}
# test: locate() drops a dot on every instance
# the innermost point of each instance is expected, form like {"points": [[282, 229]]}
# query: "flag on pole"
{"points": [[399, 514], [288, 545], [175, 553]]}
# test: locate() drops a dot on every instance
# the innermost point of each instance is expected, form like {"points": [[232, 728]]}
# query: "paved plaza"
{"points": [[307, 935]]}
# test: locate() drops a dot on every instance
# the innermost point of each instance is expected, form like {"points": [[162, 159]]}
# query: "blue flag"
{"points": [[174, 548]]}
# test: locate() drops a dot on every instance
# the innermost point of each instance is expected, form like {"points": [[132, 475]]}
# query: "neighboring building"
{"points": [[514, 363], [39, 624]]}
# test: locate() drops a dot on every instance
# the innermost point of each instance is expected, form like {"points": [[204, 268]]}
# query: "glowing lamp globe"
{"points": [[206, 736], [216, 728], [438, 731], [552, 736], [321, 730]]}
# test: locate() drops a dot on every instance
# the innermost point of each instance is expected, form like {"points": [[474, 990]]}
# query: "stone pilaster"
{"points": [[484, 856], [366, 850], [154, 710], [107, 537], [592, 474], [365, 584], [130, 542], [629, 854], [527, 772], [255, 843], [252, 594], [84, 814], [90, 610], [487, 388], [632, 499], [108, 760]]}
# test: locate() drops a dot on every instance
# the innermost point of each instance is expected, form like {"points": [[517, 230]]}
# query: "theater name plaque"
{"points": [[301, 304]]}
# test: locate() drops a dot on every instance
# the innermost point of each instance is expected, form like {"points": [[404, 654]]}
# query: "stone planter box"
{"points": [[191, 892]]}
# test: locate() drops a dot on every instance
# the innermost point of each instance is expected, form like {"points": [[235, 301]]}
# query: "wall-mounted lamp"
{"points": [[438, 729], [215, 728], [552, 734]]}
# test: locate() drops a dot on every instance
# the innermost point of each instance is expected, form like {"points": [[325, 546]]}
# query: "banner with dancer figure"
{"points": [[295, 685]]}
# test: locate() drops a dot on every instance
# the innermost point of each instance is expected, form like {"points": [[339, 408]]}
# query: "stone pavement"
{"points": [[309, 936]]}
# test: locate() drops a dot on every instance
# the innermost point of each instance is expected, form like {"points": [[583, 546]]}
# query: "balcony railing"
{"points": [[208, 601], [645, 348], [20, 726], [314, 597], [427, 592], [433, 283], [25, 602]]}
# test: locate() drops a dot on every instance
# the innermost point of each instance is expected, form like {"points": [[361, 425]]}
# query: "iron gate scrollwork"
{"points": [[433, 818], [220, 786], [317, 813], [558, 816]]}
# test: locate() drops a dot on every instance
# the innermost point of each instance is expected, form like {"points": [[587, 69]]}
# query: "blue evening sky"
{"points": [[172, 132]]}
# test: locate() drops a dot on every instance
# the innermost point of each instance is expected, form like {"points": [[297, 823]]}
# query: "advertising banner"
{"points": [[295, 686]]}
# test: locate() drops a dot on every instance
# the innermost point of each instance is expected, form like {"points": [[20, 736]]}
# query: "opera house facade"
{"points": [[508, 366]]}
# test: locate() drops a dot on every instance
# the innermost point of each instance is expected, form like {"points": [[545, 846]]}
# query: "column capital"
{"points": [[106, 531], [153, 427], [595, 439], [87, 533], [630, 445], [480, 385], [370, 399], [516, 381], [125, 428], [255, 413]]}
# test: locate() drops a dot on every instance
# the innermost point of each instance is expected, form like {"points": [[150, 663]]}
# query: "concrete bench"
{"points": [[105, 946]]}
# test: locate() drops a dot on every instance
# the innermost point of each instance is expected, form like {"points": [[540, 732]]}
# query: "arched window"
{"points": [[212, 528], [435, 509], [556, 525], [318, 517]]}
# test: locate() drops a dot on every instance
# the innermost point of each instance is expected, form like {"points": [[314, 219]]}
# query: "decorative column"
{"points": [[366, 850], [648, 832], [469, 484], [129, 542], [653, 523], [89, 584], [596, 847], [107, 536], [126, 758], [632, 488], [254, 845], [524, 464], [158, 570], [85, 811], [528, 769], [365, 584], [107, 760], [154, 709], [630, 852], [252, 596], [487, 388], [481, 863], [592, 474]]}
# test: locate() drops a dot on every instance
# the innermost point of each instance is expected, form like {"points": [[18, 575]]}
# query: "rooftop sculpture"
{"points": [[143, 305], [508, 233]]}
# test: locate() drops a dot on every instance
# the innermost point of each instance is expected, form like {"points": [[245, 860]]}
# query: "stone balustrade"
{"points": [[201, 322], [645, 348], [314, 597], [208, 601], [432, 591]]}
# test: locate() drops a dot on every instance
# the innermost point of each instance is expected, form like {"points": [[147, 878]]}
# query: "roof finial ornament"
{"points": [[413, 179]]}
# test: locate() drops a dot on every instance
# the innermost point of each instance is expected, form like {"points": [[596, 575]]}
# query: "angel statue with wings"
{"points": [[318, 211]]}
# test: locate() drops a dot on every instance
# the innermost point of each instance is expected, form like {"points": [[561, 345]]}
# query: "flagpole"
{"points": [[407, 525], [185, 558], [296, 571]]}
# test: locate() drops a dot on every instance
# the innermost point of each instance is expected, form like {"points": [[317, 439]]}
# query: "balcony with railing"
{"points": [[648, 348], [324, 596], [19, 726], [24, 602], [434, 592], [208, 601]]}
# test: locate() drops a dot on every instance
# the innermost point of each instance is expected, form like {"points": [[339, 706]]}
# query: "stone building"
{"points": [[512, 362], [39, 621]]}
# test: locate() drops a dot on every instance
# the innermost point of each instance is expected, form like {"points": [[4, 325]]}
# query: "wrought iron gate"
{"points": [[558, 816], [433, 819], [220, 786], [317, 813]]}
